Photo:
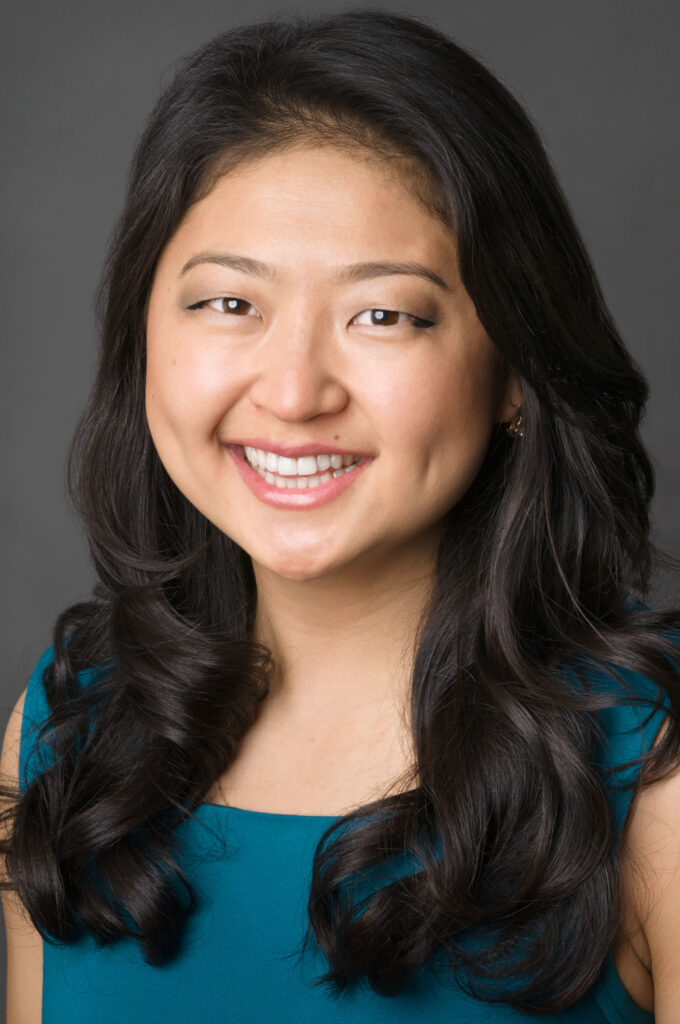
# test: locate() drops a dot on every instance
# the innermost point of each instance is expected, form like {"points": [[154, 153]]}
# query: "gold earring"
{"points": [[514, 427]]}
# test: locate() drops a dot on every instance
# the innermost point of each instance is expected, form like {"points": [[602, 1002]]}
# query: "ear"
{"points": [[510, 397]]}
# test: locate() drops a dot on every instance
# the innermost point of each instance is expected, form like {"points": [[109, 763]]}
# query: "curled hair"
{"points": [[540, 574]]}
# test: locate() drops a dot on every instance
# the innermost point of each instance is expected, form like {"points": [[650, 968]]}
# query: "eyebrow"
{"points": [[351, 273]]}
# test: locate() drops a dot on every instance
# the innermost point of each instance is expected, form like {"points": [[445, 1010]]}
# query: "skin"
{"points": [[306, 364], [303, 361], [333, 733]]}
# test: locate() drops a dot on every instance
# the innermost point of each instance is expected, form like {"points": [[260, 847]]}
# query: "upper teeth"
{"points": [[306, 465]]}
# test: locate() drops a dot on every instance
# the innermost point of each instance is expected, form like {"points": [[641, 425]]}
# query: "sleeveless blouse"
{"points": [[252, 871]]}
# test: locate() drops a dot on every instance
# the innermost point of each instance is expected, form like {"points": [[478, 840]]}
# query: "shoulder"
{"points": [[26, 716], [35, 712], [9, 758], [650, 876], [648, 816], [24, 756], [24, 942], [647, 822], [631, 711], [28, 713], [36, 750]]}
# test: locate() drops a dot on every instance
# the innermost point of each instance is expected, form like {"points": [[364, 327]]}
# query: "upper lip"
{"points": [[293, 451]]}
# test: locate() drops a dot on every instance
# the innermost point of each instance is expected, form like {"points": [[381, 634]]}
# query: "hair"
{"points": [[543, 566]]}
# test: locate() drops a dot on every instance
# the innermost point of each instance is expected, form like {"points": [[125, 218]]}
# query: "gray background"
{"points": [[600, 77]]}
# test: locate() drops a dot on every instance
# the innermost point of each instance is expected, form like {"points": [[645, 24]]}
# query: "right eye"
{"points": [[224, 304]]}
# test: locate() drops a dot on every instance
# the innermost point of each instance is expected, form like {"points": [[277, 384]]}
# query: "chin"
{"points": [[299, 566], [298, 572]]}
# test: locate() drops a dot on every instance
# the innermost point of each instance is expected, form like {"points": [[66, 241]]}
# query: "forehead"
{"points": [[319, 202], [382, 157]]}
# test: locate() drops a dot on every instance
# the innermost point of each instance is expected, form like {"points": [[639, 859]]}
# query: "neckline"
{"points": [[246, 811]]}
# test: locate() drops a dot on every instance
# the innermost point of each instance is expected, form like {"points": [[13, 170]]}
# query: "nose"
{"points": [[296, 375]]}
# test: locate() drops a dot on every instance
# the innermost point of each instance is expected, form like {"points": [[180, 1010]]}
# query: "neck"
{"points": [[346, 639]]}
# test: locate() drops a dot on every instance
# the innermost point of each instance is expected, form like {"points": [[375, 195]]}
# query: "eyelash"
{"points": [[418, 322]]}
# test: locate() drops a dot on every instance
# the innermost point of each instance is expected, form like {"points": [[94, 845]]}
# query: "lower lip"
{"points": [[289, 497]]}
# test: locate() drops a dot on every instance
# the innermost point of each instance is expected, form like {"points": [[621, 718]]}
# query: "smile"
{"points": [[297, 483], [302, 473]]}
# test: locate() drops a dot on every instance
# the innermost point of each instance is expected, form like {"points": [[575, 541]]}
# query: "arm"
{"points": [[24, 942], [651, 886]]}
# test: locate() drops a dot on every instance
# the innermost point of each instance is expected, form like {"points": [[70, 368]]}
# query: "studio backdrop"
{"points": [[78, 79]]}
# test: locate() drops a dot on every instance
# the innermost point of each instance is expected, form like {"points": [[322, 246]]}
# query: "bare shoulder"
{"points": [[24, 942], [650, 862]]}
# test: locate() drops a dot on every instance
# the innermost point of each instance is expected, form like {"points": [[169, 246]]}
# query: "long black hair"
{"points": [[544, 563]]}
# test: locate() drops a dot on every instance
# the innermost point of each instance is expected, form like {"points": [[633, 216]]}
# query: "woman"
{"points": [[365, 493]]}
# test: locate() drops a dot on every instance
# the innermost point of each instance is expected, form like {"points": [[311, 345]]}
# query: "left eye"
{"points": [[224, 304], [385, 318]]}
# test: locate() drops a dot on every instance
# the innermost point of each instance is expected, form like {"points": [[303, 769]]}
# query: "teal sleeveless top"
{"points": [[238, 963]]}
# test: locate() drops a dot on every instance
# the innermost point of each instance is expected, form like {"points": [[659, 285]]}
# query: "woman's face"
{"points": [[309, 308]]}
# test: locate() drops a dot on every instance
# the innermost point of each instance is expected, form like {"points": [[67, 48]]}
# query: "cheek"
{"points": [[439, 408], [188, 389], [186, 399]]}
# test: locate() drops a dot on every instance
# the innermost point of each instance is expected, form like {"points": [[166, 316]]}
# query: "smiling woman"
{"points": [[366, 718], [279, 355]]}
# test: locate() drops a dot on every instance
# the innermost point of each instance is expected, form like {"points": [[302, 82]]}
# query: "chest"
{"points": [[320, 768], [238, 961], [335, 766]]}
